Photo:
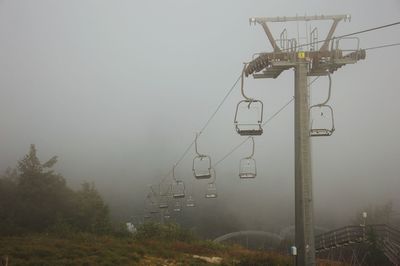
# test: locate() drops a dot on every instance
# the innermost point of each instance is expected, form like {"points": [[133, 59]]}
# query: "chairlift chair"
{"points": [[201, 166], [248, 117], [163, 205], [317, 129], [166, 214], [211, 191], [177, 207], [151, 204], [163, 197], [190, 202], [177, 187], [156, 198], [163, 201], [249, 114], [247, 166], [153, 209]]}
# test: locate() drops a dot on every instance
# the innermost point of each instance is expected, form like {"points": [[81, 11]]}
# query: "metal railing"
{"points": [[385, 237]]}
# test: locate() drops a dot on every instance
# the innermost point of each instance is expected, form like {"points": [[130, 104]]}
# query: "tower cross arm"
{"points": [[263, 22], [328, 38], [298, 18], [270, 37]]}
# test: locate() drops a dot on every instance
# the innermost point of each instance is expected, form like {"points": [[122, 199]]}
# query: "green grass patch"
{"points": [[88, 249]]}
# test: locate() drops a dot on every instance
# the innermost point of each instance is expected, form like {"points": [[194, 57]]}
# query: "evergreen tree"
{"points": [[42, 195], [34, 198], [8, 201], [93, 214]]}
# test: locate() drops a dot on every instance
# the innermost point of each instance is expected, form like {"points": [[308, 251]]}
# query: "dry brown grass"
{"points": [[86, 249]]}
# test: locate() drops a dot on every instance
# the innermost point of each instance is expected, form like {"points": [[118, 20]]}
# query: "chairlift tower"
{"points": [[306, 60]]}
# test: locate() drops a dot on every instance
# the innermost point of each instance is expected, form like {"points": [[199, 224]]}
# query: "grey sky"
{"points": [[117, 89]]}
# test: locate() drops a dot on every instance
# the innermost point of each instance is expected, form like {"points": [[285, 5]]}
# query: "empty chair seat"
{"points": [[249, 117], [202, 167]]}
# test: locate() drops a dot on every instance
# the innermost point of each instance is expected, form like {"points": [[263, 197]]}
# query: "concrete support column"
{"points": [[304, 214]]}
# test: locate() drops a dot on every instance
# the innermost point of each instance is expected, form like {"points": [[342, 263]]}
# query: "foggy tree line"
{"points": [[33, 198]]}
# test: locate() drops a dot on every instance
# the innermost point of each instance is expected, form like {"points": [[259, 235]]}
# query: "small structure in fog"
{"points": [[130, 227]]}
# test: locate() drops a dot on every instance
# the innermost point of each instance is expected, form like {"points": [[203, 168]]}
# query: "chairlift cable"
{"points": [[382, 46], [284, 106], [244, 141], [277, 112], [204, 127], [376, 47], [213, 115], [241, 143], [347, 35], [209, 120], [266, 122], [368, 30], [219, 106], [232, 151]]}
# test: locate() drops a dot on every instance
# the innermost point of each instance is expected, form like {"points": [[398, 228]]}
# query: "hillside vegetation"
{"points": [[153, 244], [175, 246], [33, 198], [44, 222]]}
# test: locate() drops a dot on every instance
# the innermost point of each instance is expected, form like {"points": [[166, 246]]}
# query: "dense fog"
{"points": [[118, 89]]}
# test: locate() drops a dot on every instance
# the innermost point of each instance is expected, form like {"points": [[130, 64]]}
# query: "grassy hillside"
{"points": [[86, 249], [152, 244]]}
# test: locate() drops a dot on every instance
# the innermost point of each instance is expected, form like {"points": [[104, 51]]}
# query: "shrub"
{"points": [[167, 232], [262, 259]]}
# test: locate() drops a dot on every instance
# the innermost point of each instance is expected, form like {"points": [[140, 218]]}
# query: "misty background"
{"points": [[117, 89]]}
